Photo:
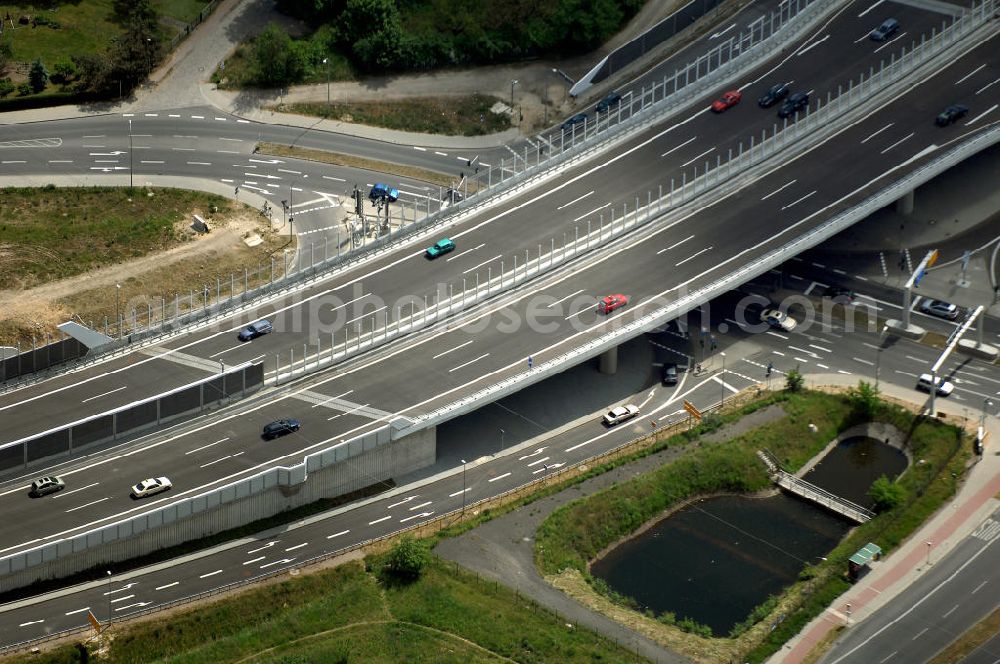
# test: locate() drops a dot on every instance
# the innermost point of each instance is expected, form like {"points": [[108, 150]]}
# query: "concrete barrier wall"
{"points": [[343, 468]]}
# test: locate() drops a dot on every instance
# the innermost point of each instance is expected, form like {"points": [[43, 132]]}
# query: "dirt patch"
{"points": [[198, 261]]}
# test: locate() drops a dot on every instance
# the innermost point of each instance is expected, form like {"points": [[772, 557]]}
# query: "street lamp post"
{"points": [[929, 545], [109, 599], [118, 309], [129, 154], [326, 61], [502, 432], [463, 487], [722, 381], [982, 418], [878, 354], [512, 84]]}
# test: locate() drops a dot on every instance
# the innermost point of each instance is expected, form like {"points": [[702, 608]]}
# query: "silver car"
{"points": [[940, 308]]}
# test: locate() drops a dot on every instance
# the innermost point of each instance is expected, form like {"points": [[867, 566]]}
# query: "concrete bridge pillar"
{"points": [[904, 204], [608, 364]]}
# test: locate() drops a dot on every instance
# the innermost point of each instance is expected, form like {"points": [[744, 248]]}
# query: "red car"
{"points": [[611, 302], [727, 100]]}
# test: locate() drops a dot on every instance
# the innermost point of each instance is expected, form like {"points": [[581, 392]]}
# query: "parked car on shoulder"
{"points": [[254, 330], [953, 113], [150, 487], [775, 94], [280, 428], [620, 414], [609, 102], [944, 388], [442, 246], [887, 29], [727, 100], [793, 104], [570, 122], [611, 302], [43, 486], [940, 308]]}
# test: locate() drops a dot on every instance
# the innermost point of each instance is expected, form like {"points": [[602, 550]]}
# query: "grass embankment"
{"points": [[346, 614], [62, 250], [451, 116], [576, 533]]}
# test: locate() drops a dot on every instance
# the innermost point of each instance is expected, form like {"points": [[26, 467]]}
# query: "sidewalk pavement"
{"points": [[975, 500]]}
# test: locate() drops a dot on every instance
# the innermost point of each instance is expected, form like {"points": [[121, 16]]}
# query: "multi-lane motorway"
{"points": [[434, 369]]}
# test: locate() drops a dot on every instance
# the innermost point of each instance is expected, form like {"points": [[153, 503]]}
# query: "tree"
{"points": [[886, 494], [794, 382], [275, 61], [93, 73], [378, 21], [38, 76], [6, 52], [126, 11], [864, 399], [406, 560]]}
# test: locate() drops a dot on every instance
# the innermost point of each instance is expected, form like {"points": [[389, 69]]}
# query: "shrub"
{"points": [[6, 87], [406, 561], [24, 89], [886, 494], [864, 400], [38, 76], [794, 382]]}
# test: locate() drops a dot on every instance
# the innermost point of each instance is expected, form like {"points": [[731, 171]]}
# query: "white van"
{"points": [[944, 388]]}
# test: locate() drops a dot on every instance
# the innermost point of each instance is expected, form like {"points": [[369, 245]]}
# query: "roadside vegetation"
{"points": [[62, 250], [358, 612], [574, 534], [453, 116], [360, 37], [57, 51]]}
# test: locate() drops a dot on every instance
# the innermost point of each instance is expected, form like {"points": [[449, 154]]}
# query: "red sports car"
{"points": [[611, 302], [727, 100]]}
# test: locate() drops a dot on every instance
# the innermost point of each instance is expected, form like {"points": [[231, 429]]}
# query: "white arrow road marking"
{"points": [[416, 516], [526, 456], [277, 562], [125, 587], [131, 606], [404, 500], [266, 546]]}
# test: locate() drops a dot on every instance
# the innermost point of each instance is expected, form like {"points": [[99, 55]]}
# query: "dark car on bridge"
{"points": [[442, 246], [569, 123], [775, 94], [608, 102], [383, 192], [254, 330], [793, 104], [280, 428], [887, 29], [953, 113]]}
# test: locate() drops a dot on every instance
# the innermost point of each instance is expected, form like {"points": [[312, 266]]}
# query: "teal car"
{"points": [[442, 246]]}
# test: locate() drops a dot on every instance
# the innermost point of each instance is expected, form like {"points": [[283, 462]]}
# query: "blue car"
{"points": [[442, 246], [383, 192], [579, 118], [254, 330]]}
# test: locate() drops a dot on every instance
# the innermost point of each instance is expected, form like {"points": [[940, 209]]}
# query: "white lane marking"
{"points": [[919, 634], [67, 493], [693, 256], [255, 560], [423, 504], [822, 366], [198, 449], [775, 334], [574, 315], [986, 112], [688, 163], [970, 74], [365, 315], [326, 401], [988, 85], [812, 45], [226, 351], [489, 260], [70, 613], [453, 349], [825, 350], [468, 363], [212, 463], [452, 495], [98, 396], [342, 532], [120, 599], [678, 147], [330, 177], [73, 509], [952, 609], [587, 214], [778, 352], [799, 200], [372, 523], [31, 622], [575, 200], [441, 154], [169, 585], [416, 516], [349, 412], [675, 245], [277, 562], [905, 138], [417, 147], [297, 546], [978, 587], [266, 546], [498, 477], [888, 657], [725, 384], [871, 136], [465, 252], [538, 461], [205, 576], [781, 188], [561, 300]]}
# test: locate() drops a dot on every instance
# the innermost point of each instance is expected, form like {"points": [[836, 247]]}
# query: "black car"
{"points": [[568, 123], [793, 104], [953, 113], [669, 376], [608, 102], [837, 292], [887, 29], [280, 428], [773, 96]]}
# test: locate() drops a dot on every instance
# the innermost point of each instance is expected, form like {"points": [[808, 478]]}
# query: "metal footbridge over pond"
{"points": [[811, 492]]}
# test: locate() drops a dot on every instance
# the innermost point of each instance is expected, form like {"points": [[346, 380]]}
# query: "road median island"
{"points": [[577, 533], [351, 161]]}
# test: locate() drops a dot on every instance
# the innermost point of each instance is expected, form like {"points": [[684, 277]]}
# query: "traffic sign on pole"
{"points": [[690, 408]]}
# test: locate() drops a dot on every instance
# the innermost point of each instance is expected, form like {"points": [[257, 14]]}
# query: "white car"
{"points": [[620, 414], [944, 387], [151, 486], [778, 319]]}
